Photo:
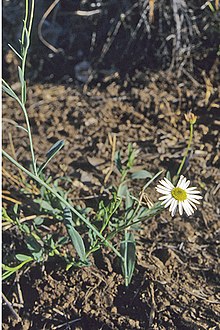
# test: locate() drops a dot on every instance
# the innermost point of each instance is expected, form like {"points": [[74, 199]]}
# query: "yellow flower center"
{"points": [[179, 194]]}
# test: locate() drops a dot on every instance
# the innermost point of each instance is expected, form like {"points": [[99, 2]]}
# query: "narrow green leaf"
{"points": [[24, 92], [25, 228], [122, 190], [5, 267], [21, 127], [27, 41], [5, 216], [142, 174], [21, 76], [44, 204], [9, 91], [22, 257], [75, 237], [128, 251], [62, 240], [7, 274], [54, 149], [168, 176], [151, 180], [118, 162], [11, 270], [15, 51], [38, 221], [51, 153], [128, 200]]}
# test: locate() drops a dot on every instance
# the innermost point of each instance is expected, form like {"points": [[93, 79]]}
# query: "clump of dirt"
{"points": [[176, 281]]}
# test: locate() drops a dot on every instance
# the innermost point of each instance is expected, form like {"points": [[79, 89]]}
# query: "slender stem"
{"points": [[25, 46], [42, 183], [16, 98], [27, 31], [29, 135], [96, 244], [186, 152], [25, 22], [31, 17], [152, 212]]}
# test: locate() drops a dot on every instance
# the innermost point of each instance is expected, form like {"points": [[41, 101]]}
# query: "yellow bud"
{"points": [[191, 118]]}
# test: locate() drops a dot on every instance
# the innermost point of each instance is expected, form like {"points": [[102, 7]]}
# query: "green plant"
{"points": [[115, 222]]}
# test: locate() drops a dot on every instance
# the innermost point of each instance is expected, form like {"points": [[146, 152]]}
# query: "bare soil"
{"points": [[176, 281]]}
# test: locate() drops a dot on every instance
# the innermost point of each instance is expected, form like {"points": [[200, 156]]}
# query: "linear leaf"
{"points": [[15, 51], [21, 76], [75, 237], [142, 174], [118, 162], [128, 251], [44, 204], [21, 127], [151, 180], [51, 153], [54, 149], [9, 91], [128, 200], [122, 190], [22, 257], [11, 270]]}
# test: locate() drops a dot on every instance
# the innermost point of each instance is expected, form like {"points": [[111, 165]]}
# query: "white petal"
{"points": [[180, 180], [168, 202], [190, 208], [187, 208], [192, 190], [192, 197], [187, 184], [163, 191], [180, 208], [182, 183], [165, 197], [164, 185], [169, 183], [174, 209], [193, 200], [173, 204], [193, 205]]}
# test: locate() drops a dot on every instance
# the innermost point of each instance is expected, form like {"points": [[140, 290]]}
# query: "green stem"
{"points": [[25, 46], [29, 135], [96, 244], [25, 22], [27, 41], [42, 183], [16, 98], [152, 212], [186, 152], [31, 18]]}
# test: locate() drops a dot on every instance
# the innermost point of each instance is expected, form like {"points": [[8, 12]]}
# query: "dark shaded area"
{"points": [[88, 40]]}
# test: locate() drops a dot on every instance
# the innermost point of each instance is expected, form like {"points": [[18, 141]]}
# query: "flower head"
{"points": [[190, 117], [180, 197]]}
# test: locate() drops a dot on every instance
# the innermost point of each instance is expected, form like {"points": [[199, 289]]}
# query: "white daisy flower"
{"points": [[180, 197]]}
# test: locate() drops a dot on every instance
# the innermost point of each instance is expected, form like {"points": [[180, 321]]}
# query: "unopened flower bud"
{"points": [[191, 118]]}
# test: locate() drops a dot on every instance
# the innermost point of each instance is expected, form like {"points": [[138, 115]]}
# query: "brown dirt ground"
{"points": [[176, 282]]}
